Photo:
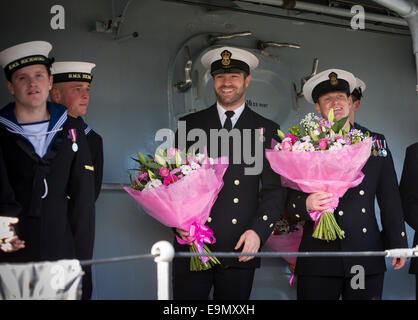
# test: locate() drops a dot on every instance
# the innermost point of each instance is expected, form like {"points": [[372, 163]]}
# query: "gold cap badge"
{"points": [[226, 58], [333, 78]]}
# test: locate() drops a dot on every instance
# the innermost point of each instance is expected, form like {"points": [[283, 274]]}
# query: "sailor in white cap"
{"points": [[330, 278], [72, 80], [240, 220], [46, 156]]}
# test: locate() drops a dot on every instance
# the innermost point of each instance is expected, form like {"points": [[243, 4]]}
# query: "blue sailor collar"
{"points": [[58, 116], [86, 127]]}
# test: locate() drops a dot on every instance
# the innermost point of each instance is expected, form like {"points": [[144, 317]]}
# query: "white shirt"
{"points": [[234, 119], [37, 133]]}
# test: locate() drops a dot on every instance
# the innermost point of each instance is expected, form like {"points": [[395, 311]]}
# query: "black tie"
{"points": [[228, 122]]}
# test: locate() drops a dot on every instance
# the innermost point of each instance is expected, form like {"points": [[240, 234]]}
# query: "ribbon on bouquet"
{"points": [[199, 234], [316, 215]]}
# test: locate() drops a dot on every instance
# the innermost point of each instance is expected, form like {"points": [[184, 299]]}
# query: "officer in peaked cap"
{"points": [[229, 60], [330, 277], [71, 88], [46, 156], [243, 215]]}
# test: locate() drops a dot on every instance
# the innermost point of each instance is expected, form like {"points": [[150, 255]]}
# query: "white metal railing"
{"points": [[163, 253]]}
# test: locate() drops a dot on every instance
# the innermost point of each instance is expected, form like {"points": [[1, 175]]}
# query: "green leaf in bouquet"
{"points": [[136, 160], [160, 160], [338, 125], [348, 127], [331, 115], [313, 136], [178, 159], [152, 165], [141, 158], [280, 134], [162, 152], [295, 130], [151, 175]]}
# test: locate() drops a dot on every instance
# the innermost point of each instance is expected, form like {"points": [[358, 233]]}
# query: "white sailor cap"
{"points": [[72, 71], [25, 54], [359, 89], [330, 80], [229, 60]]}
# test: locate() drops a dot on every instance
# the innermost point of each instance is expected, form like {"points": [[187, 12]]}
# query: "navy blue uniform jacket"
{"points": [[356, 216], [241, 204]]}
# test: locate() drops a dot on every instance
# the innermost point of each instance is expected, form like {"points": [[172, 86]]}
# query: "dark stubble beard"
{"points": [[230, 101]]}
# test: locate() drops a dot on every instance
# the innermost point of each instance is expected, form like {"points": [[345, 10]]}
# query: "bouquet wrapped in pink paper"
{"points": [[321, 156], [286, 237], [179, 191]]}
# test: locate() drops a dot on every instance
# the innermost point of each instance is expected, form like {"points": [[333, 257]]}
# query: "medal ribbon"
{"points": [[73, 135]]}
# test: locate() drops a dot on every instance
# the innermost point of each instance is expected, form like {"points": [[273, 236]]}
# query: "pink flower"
{"points": [[286, 145], [172, 153], [322, 144], [170, 179], [291, 137], [174, 171], [142, 176], [164, 172]]}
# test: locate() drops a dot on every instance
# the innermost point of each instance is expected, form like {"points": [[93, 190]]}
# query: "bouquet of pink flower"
{"points": [[321, 155], [286, 237], [179, 190]]}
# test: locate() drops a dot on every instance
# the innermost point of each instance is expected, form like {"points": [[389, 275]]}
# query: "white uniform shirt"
{"points": [[234, 119], [37, 133]]}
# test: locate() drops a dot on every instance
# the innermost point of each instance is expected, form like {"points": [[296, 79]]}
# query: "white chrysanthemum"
{"points": [[278, 147], [200, 157], [303, 146], [336, 146], [194, 165], [306, 138], [185, 169], [309, 147], [152, 184]]}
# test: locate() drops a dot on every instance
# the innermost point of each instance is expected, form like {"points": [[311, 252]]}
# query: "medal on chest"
{"points": [[262, 131], [72, 134], [381, 144]]}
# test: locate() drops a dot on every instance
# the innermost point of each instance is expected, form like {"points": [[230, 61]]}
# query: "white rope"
{"points": [[46, 189]]}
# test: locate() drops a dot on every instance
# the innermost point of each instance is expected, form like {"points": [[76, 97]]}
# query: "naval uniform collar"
{"points": [[57, 113], [86, 127], [234, 118], [58, 117]]}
